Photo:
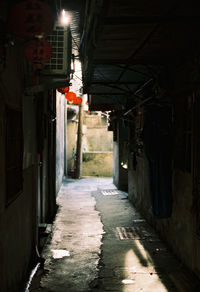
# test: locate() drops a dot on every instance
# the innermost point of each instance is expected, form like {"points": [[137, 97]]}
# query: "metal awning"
{"points": [[126, 43]]}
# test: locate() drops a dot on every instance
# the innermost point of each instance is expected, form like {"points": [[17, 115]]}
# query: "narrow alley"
{"points": [[101, 243], [99, 120]]}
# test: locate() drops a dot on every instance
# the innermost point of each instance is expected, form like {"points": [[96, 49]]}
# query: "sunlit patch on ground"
{"points": [[60, 253]]}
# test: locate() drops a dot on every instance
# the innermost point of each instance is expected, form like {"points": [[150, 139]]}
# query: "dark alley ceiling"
{"points": [[123, 41]]}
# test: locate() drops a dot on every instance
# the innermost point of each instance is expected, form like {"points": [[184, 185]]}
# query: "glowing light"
{"points": [[127, 281], [124, 165], [64, 19]]}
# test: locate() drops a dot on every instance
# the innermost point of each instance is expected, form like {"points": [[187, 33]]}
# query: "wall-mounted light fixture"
{"points": [[64, 18]]}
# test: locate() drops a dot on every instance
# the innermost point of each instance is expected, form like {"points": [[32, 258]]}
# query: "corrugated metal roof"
{"points": [[123, 44], [126, 42], [75, 30], [74, 7]]}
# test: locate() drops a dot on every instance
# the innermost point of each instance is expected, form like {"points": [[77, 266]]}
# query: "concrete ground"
{"points": [[101, 243]]}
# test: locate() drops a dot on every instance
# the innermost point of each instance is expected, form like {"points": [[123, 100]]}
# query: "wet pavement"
{"points": [[101, 243]]}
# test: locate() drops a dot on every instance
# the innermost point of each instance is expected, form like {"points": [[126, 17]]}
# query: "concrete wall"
{"points": [[178, 228], [72, 127], [97, 146], [18, 220], [95, 134], [18, 236], [93, 120], [19, 217], [120, 158], [116, 163], [60, 139], [45, 161], [97, 163], [98, 139], [181, 229], [46, 132]]}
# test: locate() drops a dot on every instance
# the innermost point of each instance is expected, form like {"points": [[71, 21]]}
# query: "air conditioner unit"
{"points": [[57, 71]]}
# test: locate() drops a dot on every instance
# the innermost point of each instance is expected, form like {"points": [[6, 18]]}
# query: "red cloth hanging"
{"points": [[31, 18]]}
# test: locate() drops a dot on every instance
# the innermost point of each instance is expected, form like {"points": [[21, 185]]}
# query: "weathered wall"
{"points": [[18, 220], [116, 163], [72, 127], [97, 163], [97, 147], [99, 139], [60, 139], [120, 158], [18, 236], [181, 229], [138, 184], [178, 228], [46, 146], [45, 161], [96, 136], [92, 120]]}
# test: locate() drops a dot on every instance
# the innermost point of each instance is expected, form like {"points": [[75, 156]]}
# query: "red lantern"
{"points": [[63, 90], [70, 96], [30, 19], [78, 100], [38, 51]]}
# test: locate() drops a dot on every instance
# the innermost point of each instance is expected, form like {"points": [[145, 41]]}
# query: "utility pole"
{"points": [[79, 144], [65, 138]]}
